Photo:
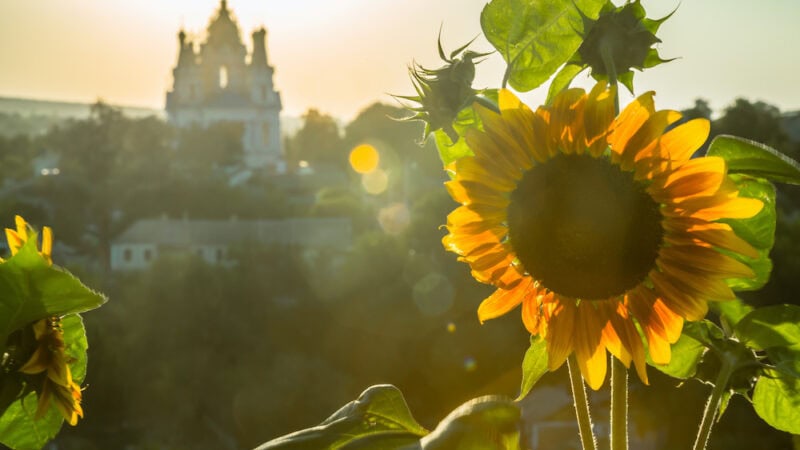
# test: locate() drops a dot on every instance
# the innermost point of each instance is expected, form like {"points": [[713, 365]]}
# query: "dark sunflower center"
{"points": [[584, 228]]}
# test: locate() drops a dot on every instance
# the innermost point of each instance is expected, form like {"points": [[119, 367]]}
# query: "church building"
{"points": [[217, 81]]}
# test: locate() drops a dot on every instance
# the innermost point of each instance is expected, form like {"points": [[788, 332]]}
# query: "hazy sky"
{"points": [[342, 55]]}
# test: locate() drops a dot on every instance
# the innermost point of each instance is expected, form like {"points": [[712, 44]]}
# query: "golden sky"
{"points": [[342, 55]]}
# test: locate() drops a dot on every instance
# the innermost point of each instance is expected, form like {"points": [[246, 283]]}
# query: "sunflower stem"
{"points": [[611, 70], [619, 405], [713, 404], [588, 441]]}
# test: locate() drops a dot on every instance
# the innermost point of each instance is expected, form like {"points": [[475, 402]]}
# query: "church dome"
{"points": [[223, 29]]}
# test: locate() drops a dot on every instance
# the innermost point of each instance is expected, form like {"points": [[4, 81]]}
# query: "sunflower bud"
{"points": [[619, 40], [443, 92]]}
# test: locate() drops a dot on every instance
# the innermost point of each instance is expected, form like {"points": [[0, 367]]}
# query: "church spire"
{"points": [[259, 48]]}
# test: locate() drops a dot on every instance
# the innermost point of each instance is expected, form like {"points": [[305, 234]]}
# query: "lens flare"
{"points": [[364, 158], [375, 182]]}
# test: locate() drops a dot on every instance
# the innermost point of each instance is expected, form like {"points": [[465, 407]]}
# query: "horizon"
{"points": [[360, 70]]}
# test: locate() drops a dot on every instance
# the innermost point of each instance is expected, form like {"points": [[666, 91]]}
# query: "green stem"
{"points": [[581, 405], [611, 70], [619, 374], [619, 405], [712, 406]]}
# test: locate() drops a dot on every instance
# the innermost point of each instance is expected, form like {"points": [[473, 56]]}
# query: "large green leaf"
{"points": [[776, 399], [687, 353], [535, 37], [534, 365], [756, 159], [19, 429], [759, 231], [772, 326], [379, 419], [486, 423], [731, 312], [32, 289]]}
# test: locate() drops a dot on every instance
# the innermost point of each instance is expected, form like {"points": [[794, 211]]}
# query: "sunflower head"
{"points": [[599, 226], [443, 92], [625, 36]]}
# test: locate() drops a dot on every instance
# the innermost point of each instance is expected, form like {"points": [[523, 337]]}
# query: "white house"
{"points": [[145, 240]]}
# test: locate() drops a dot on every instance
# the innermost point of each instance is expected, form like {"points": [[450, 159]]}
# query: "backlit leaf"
{"points": [[771, 326], [534, 365], [379, 419], [776, 399], [535, 37], [31, 289], [756, 159], [758, 231]]}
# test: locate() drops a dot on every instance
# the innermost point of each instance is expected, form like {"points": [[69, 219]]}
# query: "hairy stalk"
{"points": [[619, 405], [712, 406], [588, 441]]}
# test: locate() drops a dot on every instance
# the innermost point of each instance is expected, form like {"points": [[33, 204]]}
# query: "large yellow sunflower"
{"points": [[596, 224]]}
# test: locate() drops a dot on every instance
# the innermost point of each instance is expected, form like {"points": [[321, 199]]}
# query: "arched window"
{"points": [[223, 77]]}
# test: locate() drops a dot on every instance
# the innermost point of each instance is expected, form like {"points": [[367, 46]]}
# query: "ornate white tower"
{"points": [[215, 83]]}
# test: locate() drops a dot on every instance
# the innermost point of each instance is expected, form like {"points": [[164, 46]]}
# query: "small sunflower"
{"points": [[50, 364], [17, 238], [596, 224]]}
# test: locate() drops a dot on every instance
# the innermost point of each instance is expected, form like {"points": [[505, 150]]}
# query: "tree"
{"points": [[758, 121], [318, 141]]}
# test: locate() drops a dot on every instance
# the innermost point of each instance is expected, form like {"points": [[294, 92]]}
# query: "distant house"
{"points": [[146, 240]]}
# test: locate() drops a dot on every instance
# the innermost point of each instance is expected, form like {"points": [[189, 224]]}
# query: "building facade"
{"points": [[218, 81], [211, 240]]}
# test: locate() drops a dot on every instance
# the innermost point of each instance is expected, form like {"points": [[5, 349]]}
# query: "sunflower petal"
{"points": [[682, 141], [560, 332], [589, 352], [504, 300]]}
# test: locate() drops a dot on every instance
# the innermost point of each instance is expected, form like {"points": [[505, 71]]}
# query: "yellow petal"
{"points": [[560, 332], [504, 300], [598, 117], [589, 352], [683, 140], [630, 120], [676, 299], [530, 313], [15, 241]]}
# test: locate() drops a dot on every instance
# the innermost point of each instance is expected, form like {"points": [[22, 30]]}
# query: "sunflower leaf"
{"points": [[756, 159], [485, 423], [19, 428], [32, 289], [731, 312], [534, 365], [771, 326], [687, 353], [535, 37], [758, 231], [378, 419], [776, 399]]}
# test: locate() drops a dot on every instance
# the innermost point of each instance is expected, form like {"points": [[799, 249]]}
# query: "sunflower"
{"points": [[17, 238], [599, 226], [50, 364]]}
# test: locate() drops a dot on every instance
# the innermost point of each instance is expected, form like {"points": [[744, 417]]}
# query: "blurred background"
{"points": [[232, 176]]}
